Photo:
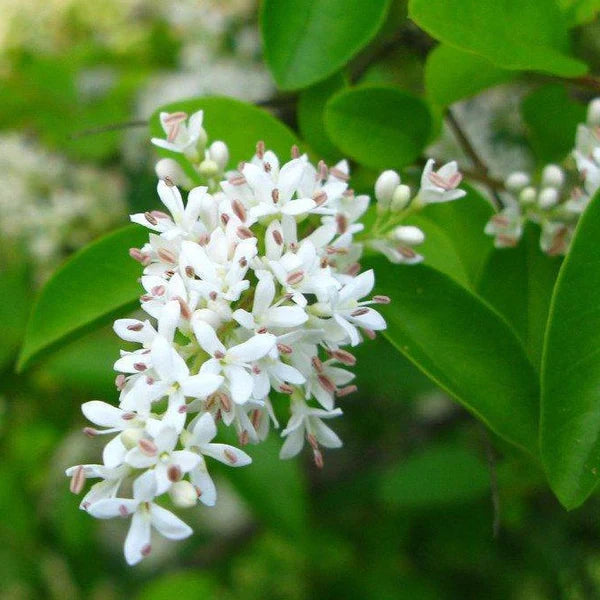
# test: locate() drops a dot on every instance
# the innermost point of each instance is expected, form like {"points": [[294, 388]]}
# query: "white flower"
{"points": [[440, 185], [506, 227], [188, 139], [145, 514]]}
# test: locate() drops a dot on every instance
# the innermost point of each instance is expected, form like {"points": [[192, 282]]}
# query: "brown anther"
{"points": [[349, 193], [135, 327], [294, 247], [339, 174], [507, 240], [370, 333], [123, 511], [85, 505], [244, 232], [243, 262], [213, 295], [295, 152], [182, 409], [159, 214], [239, 210], [295, 277], [150, 380], [186, 311], [326, 383], [317, 364], [341, 222], [267, 167], [170, 183], [275, 195], [175, 117], [225, 402], [138, 255], [320, 197], [353, 269], [219, 355], [381, 299], [318, 458], [224, 219], [167, 256], [343, 356], [146, 550], [230, 456], [559, 242], [256, 370], [151, 218], [260, 149], [198, 492], [262, 330], [158, 290], [120, 381], [237, 180], [147, 447], [139, 366], [312, 440], [284, 348], [277, 237], [77, 480], [359, 312], [322, 170], [244, 438], [285, 388], [406, 252], [349, 389], [255, 418], [203, 239], [90, 431], [128, 416], [174, 473], [324, 263], [189, 271]]}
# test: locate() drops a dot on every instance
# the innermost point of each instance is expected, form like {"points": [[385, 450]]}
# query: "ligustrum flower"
{"points": [[252, 289]]}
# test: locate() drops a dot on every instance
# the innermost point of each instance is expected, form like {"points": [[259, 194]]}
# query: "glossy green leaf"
{"points": [[380, 127], [185, 585], [438, 475], [452, 74], [93, 285], [463, 346], [237, 123], [311, 107], [307, 41], [513, 34], [570, 416], [518, 283], [578, 12], [551, 104], [274, 489], [454, 239]]}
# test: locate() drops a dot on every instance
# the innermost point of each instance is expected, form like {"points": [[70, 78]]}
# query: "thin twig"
{"points": [[106, 128], [469, 149], [491, 461]]}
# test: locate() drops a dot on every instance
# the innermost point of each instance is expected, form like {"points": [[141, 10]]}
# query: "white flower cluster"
{"points": [[560, 198], [61, 206], [254, 290]]}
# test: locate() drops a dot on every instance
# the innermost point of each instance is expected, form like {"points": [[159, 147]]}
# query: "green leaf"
{"points": [[518, 283], [513, 34], [274, 489], [439, 475], [92, 286], [454, 239], [551, 104], [14, 289], [463, 346], [380, 127], [187, 585], [570, 416], [578, 12], [452, 74], [237, 123], [307, 41], [311, 107]]}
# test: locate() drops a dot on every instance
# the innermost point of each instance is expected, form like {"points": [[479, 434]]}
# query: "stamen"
{"points": [[139, 366], [343, 356], [318, 457], [260, 149], [341, 222], [135, 327], [174, 473], [146, 550], [239, 210], [359, 312], [158, 290], [138, 255], [147, 447], [255, 419], [128, 416], [381, 299], [189, 271], [77, 480], [349, 389], [296, 277], [339, 174], [167, 256], [320, 197], [277, 237], [244, 232], [213, 295], [186, 311], [120, 381], [353, 269], [267, 167], [406, 251], [123, 511], [284, 348], [219, 355], [170, 183], [150, 218], [317, 364], [285, 388], [326, 383], [295, 151], [90, 431], [230, 456], [237, 180], [244, 438], [275, 195]]}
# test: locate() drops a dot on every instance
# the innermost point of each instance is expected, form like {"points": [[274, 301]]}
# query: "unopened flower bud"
{"points": [[553, 176], [169, 168], [593, 113], [516, 181], [548, 198], [219, 152], [527, 196], [409, 235], [130, 437], [183, 494], [385, 186], [400, 198], [208, 168]]}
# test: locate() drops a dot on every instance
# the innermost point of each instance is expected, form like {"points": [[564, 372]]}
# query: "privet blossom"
{"points": [[255, 299], [558, 199]]}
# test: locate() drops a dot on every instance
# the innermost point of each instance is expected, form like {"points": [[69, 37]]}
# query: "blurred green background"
{"points": [[421, 503]]}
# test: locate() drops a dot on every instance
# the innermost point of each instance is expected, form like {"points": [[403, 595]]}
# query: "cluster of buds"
{"points": [[557, 201], [390, 235], [254, 294]]}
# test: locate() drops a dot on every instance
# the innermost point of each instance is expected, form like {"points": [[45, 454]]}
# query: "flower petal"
{"points": [[167, 524]]}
